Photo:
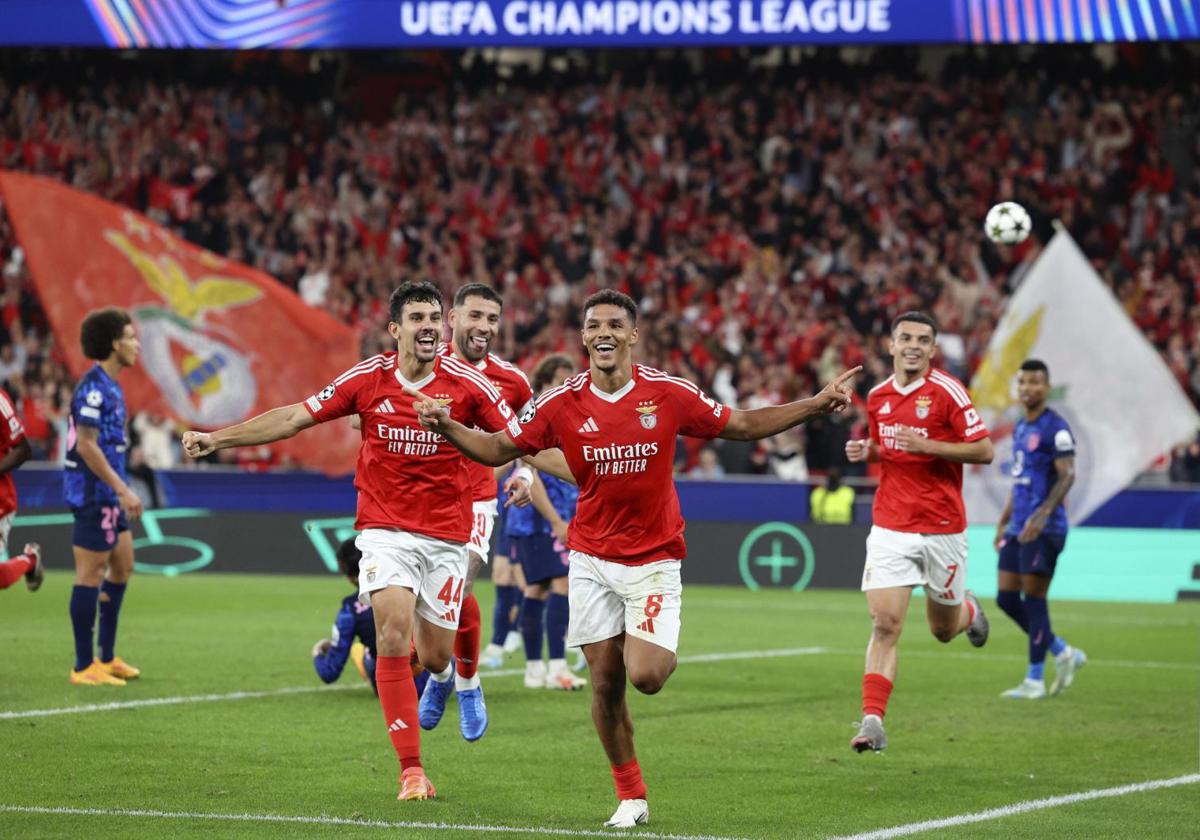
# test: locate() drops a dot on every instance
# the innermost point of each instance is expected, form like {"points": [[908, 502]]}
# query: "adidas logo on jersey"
{"points": [[448, 616], [647, 626], [887, 408], [589, 427], [385, 407], [397, 725]]}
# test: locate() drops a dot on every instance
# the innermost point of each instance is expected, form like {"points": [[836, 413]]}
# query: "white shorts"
{"points": [[608, 599], [937, 562], [432, 569], [483, 520]]}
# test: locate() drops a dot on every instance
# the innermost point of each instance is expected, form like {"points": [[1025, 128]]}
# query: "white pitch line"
{"points": [[281, 692], [322, 820], [1020, 808]]}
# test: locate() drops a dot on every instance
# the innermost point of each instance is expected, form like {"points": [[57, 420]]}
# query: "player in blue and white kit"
{"points": [[1033, 530], [539, 544], [95, 486], [353, 635]]}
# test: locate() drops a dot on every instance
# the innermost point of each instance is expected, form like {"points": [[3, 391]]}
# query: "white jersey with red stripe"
{"points": [[514, 387], [921, 493], [409, 478], [621, 449]]}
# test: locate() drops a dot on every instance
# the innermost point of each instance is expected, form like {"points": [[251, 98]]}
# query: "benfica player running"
{"points": [[414, 500], [616, 424], [474, 324], [923, 428]]}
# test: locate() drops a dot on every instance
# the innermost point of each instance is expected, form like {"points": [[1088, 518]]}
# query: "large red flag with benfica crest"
{"points": [[221, 342]]}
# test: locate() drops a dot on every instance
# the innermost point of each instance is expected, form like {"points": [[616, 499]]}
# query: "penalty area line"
{"points": [[1020, 808], [339, 821]]}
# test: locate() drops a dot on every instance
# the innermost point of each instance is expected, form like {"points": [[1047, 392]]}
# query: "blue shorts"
{"points": [[97, 526], [1036, 558], [540, 557], [501, 541]]}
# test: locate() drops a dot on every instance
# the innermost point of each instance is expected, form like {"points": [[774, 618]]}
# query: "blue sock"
{"points": [[1037, 671], [517, 611], [1009, 600], [418, 682], [1039, 630], [369, 667], [1057, 645], [531, 628], [83, 623], [500, 613], [111, 595], [558, 611]]}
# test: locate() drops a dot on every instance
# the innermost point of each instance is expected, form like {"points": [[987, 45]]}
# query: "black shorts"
{"points": [[1033, 558]]}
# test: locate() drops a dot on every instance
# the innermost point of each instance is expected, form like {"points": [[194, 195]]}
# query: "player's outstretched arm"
{"points": [[493, 449], [758, 423], [268, 427]]}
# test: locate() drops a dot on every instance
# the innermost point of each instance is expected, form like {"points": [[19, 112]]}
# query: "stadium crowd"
{"points": [[770, 218]]}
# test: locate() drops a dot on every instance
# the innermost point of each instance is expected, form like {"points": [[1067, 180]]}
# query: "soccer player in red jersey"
{"points": [[474, 325], [14, 451], [923, 428], [616, 423], [414, 500]]}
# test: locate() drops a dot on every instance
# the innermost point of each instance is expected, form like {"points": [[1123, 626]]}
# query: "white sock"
{"points": [[444, 676], [557, 665], [466, 683]]}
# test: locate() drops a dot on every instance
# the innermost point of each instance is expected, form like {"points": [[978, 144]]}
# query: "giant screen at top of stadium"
{"points": [[250, 24]]}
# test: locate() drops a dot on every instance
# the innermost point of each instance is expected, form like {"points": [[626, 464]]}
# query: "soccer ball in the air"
{"points": [[1007, 223]]}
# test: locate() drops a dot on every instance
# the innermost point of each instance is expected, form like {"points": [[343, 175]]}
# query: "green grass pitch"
{"points": [[737, 747]]}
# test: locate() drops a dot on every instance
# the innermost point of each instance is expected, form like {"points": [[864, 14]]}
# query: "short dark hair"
{"points": [[482, 290], [543, 374], [419, 292], [614, 298], [100, 329], [1036, 365], [348, 556], [916, 318]]}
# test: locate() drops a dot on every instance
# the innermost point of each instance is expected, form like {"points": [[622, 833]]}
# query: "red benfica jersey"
{"points": [[620, 448], [409, 478], [920, 493], [514, 388], [11, 433]]}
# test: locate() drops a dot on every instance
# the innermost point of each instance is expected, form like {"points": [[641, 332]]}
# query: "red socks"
{"points": [[876, 688], [466, 641], [628, 778], [13, 570], [398, 697]]}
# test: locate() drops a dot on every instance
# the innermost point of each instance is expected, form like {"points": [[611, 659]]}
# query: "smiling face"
{"points": [[418, 331], [474, 325], [912, 347], [608, 337]]}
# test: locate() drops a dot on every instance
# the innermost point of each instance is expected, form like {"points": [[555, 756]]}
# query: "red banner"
{"points": [[221, 342]]}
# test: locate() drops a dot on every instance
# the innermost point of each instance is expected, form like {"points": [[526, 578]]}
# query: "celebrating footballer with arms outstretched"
{"points": [[414, 500], [616, 423]]}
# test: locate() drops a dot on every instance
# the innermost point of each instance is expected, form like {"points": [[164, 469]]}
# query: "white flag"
{"points": [[1124, 406]]}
